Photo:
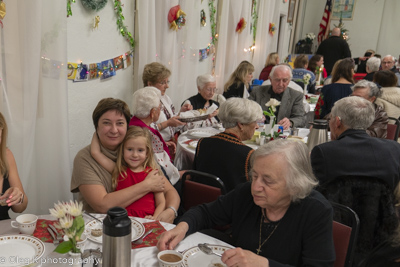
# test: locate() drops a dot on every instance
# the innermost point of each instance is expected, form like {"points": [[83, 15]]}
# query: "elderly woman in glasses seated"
{"points": [[146, 110], [277, 219], [206, 86], [239, 117]]}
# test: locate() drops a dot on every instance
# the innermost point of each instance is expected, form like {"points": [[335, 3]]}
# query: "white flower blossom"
{"points": [[75, 208], [272, 103], [59, 210], [66, 222], [310, 36], [306, 78]]}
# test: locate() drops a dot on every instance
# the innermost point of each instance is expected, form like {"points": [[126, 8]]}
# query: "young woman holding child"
{"points": [[135, 160]]}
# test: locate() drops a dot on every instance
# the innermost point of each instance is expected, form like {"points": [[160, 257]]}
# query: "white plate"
{"points": [[199, 133], [137, 230], [195, 257], [20, 250]]}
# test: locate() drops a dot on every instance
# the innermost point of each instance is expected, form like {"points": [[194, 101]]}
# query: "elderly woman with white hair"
{"points": [[373, 64], [370, 91], [206, 86], [239, 117], [146, 110], [277, 219]]}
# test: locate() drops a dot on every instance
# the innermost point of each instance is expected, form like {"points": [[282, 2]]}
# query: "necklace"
{"points": [[259, 241]]}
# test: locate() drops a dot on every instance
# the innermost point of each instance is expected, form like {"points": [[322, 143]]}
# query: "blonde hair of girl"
{"points": [[121, 165]]}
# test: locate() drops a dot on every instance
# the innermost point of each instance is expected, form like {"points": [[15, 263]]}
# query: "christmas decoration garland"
{"points": [[69, 10], [255, 18], [214, 35], [94, 4], [122, 28]]}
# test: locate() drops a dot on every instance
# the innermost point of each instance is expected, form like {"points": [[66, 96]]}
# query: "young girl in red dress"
{"points": [[134, 161]]}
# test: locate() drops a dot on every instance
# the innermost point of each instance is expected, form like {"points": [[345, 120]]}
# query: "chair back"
{"points": [[393, 129], [374, 203], [345, 232], [200, 187]]}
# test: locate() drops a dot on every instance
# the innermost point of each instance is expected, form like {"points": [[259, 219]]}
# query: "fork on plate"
{"points": [[59, 236], [55, 240]]}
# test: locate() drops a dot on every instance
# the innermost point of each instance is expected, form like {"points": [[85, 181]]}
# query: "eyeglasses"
{"points": [[285, 80], [209, 90], [164, 82]]}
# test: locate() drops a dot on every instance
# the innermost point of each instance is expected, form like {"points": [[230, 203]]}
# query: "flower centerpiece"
{"points": [[70, 220], [306, 81], [269, 130], [310, 37]]}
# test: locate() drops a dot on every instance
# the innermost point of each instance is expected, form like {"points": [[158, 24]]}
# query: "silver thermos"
{"points": [[117, 238], [318, 133]]}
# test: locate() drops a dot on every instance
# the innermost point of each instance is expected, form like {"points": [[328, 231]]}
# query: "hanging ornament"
{"points": [[2, 12], [176, 18], [202, 18], [96, 22], [94, 4], [272, 29], [241, 25]]}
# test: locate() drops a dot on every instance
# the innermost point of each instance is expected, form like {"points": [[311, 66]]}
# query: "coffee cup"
{"points": [[169, 258], [26, 223], [81, 242]]}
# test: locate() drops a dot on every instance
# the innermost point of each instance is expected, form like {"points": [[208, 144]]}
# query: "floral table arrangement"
{"points": [[70, 220], [269, 128]]}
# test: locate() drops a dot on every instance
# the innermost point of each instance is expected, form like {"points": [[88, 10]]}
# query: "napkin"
{"points": [[152, 239], [41, 230]]}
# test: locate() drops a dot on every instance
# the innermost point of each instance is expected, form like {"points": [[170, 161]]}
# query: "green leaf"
{"points": [[64, 247], [79, 225]]}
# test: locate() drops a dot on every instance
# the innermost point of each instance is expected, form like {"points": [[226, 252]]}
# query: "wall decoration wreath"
{"points": [[94, 4]]}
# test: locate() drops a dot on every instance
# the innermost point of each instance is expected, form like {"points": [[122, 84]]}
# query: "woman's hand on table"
{"points": [[243, 258], [13, 196], [170, 239], [155, 181]]}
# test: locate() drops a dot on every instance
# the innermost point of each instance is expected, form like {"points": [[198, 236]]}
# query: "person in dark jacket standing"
{"points": [[333, 49]]}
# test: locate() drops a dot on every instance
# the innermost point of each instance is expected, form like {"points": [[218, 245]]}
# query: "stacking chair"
{"points": [[200, 187], [345, 232], [393, 129], [374, 203]]}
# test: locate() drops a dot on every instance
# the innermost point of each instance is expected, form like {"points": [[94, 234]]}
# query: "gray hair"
{"points": [[392, 57], [373, 88], [144, 100], [203, 79], [354, 112], [298, 173], [373, 63], [239, 110], [281, 66]]}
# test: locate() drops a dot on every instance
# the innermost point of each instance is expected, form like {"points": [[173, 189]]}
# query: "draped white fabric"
{"points": [[177, 50], [34, 98], [389, 19], [231, 44], [268, 12]]}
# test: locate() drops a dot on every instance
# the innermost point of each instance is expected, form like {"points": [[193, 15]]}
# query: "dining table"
{"points": [[143, 256], [187, 143]]}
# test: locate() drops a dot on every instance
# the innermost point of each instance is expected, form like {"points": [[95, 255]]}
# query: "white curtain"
{"points": [[34, 98], [177, 50], [268, 12], [390, 18], [231, 44]]}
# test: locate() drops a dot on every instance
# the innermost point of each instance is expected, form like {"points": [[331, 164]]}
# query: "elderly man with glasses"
{"points": [[388, 63], [290, 112]]}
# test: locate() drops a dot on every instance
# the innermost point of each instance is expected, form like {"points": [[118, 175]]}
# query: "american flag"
{"points": [[323, 26]]}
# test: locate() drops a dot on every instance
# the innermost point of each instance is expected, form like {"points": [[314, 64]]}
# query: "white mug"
{"points": [[170, 262], [81, 243], [26, 223]]}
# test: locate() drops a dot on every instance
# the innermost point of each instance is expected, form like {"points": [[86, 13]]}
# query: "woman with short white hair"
{"points": [[373, 64]]}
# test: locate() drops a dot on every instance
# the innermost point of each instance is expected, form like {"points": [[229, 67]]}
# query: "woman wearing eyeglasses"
{"points": [[157, 75], [206, 86]]}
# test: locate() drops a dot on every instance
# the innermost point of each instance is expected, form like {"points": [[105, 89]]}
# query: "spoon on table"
{"points": [[207, 250], [140, 241]]}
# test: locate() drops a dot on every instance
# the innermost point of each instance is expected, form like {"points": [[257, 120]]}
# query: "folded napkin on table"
{"points": [[190, 140], [41, 230], [152, 239]]}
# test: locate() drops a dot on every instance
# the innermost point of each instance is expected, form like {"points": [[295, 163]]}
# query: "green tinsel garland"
{"points": [[69, 10], [122, 28], [94, 4], [212, 21], [255, 18]]}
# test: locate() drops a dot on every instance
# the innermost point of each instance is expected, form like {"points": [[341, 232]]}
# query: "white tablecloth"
{"points": [[139, 257]]}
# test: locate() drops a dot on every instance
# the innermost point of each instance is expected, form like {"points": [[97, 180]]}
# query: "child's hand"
{"points": [[95, 145]]}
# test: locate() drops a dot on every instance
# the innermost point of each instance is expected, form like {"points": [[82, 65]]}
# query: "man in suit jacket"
{"points": [[352, 151], [290, 112]]}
